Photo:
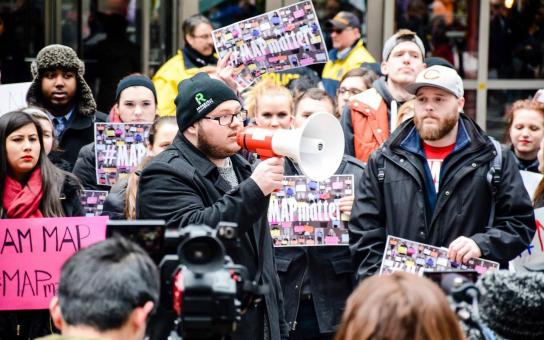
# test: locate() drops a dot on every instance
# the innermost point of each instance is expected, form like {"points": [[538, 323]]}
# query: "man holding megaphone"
{"points": [[200, 179], [308, 274]]}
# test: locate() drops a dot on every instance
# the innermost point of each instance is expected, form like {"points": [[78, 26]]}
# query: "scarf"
{"points": [[23, 201]]}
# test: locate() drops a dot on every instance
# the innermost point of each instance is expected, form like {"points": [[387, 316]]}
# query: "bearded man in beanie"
{"points": [[200, 179], [59, 87]]}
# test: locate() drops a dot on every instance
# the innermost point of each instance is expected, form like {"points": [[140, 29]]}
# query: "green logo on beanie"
{"points": [[199, 97]]}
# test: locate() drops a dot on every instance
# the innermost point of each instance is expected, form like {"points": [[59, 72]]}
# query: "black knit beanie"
{"points": [[198, 96], [135, 80], [512, 304]]}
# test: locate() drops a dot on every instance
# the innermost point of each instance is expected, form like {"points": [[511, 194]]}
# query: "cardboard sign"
{"points": [[282, 39], [306, 212], [532, 259], [33, 252], [119, 148], [92, 201], [13, 97], [414, 257]]}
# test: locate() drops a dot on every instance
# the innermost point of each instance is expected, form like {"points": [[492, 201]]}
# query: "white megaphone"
{"points": [[317, 147]]}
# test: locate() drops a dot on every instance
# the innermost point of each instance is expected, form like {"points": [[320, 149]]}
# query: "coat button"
{"points": [[379, 130], [402, 160], [355, 104], [367, 110], [473, 165], [422, 234], [296, 286], [447, 193]]}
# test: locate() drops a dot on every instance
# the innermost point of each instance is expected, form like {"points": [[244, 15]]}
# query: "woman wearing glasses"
{"points": [[353, 82]]}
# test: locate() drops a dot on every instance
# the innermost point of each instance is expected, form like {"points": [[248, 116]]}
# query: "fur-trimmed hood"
{"points": [[60, 57]]}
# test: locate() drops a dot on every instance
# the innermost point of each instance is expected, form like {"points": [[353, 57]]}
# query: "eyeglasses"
{"points": [[203, 36], [351, 91], [226, 120]]}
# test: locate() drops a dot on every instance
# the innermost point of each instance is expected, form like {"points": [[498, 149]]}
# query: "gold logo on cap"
{"points": [[431, 74]]}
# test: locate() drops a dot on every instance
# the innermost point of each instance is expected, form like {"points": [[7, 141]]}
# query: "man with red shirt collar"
{"points": [[428, 183]]}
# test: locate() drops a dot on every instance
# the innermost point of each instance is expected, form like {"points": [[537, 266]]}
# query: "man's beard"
{"points": [[212, 151], [433, 133]]}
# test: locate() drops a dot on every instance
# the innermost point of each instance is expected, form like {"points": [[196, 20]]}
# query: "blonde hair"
{"points": [[265, 86], [406, 111]]}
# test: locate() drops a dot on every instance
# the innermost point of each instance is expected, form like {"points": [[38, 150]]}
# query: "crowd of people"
{"points": [[423, 171]]}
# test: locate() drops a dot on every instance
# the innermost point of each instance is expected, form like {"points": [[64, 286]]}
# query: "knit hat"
{"points": [[441, 77], [399, 37], [53, 57], [135, 80], [198, 96], [512, 304]]}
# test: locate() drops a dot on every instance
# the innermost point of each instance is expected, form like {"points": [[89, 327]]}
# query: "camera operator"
{"points": [[106, 291], [200, 179]]}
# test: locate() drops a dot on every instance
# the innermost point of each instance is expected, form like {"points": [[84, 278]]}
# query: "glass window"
{"points": [[516, 39], [449, 29], [22, 36], [497, 103]]}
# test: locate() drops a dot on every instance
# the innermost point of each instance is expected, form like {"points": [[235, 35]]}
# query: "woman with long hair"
{"points": [[525, 131], [31, 187]]}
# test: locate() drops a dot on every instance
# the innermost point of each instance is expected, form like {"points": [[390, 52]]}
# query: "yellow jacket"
{"points": [[336, 68], [166, 81]]}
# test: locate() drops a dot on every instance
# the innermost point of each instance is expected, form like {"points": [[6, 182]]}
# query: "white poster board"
{"points": [[13, 96]]}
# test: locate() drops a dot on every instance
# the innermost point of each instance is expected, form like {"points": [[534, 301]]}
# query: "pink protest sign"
{"points": [[32, 252]]}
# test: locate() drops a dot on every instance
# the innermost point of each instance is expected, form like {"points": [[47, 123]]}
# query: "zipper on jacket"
{"points": [[300, 292]]}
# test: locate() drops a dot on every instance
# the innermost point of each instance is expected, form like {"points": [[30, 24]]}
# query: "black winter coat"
{"points": [[400, 205], [182, 187], [329, 268]]}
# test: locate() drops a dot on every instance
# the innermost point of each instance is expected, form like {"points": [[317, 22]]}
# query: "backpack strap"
{"points": [[494, 177]]}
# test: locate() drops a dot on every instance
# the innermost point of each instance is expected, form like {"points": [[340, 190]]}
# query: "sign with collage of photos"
{"points": [[92, 202], [414, 257], [278, 40], [119, 148], [306, 213]]}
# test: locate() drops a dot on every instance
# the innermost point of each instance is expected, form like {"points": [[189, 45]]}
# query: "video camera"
{"points": [[206, 289], [463, 295]]}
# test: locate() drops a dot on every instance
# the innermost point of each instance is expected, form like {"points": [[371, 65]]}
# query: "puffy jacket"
{"points": [[185, 64], [329, 269], [336, 67], [182, 187], [402, 204], [366, 123]]}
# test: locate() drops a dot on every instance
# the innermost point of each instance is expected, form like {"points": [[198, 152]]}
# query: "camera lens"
{"points": [[199, 252]]}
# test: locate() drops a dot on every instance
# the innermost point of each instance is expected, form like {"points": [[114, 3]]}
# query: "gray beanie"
{"points": [[512, 304], [53, 57], [401, 36]]}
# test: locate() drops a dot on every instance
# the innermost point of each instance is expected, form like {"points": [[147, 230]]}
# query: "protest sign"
{"points": [[530, 181], [33, 251], [282, 39], [414, 257], [119, 148], [306, 212], [532, 259], [13, 97], [92, 201]]}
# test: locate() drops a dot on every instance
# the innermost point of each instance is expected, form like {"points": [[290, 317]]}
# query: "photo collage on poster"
{"points": [[414, 257], [92, 202], [306, 213], [119, 148], [282, 39]]}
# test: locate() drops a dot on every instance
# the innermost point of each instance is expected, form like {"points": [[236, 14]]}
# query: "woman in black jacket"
{"points": [[31, 187]]}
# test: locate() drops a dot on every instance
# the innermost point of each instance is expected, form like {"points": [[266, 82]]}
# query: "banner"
{"points": [[414, 257], [13, 97], [282, 39], [530, 181], [119, 148], [532, 259], [306, 212], [33, 252], [92, 202]]}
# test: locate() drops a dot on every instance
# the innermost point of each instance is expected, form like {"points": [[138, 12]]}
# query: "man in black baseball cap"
{"points": [[200, 179], [348, 52]]}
